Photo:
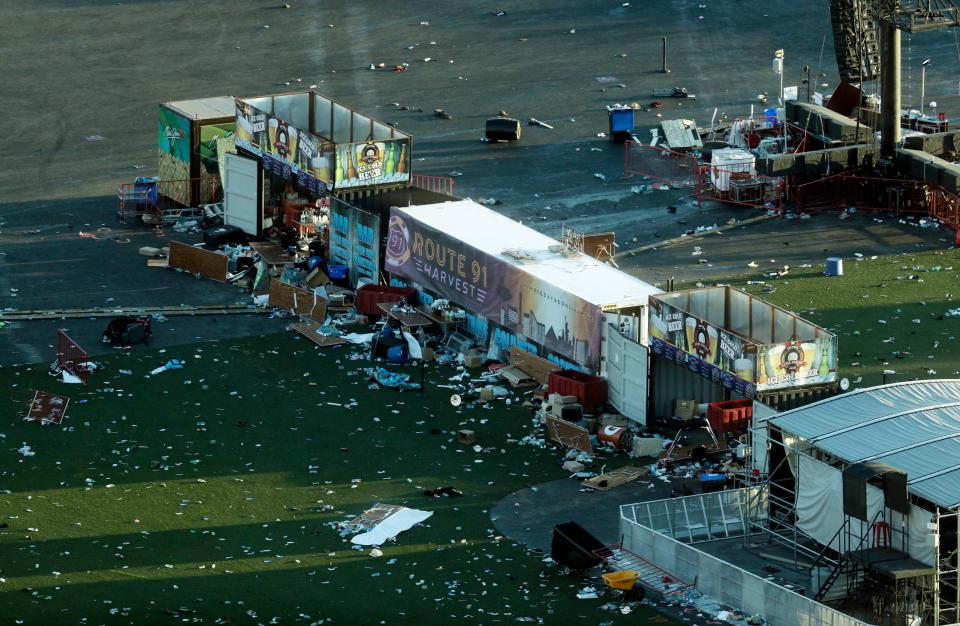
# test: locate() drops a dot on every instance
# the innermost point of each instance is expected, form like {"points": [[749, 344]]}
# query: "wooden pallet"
{"points": [[606, 482]]}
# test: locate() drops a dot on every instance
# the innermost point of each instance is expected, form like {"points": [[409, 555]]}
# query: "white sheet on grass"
{"points": [[390, 527]]}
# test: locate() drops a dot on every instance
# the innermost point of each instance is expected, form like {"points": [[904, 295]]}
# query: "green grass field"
{"points": [[884, 319], [185, 509]]}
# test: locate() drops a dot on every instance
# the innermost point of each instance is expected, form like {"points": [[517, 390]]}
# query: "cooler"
{"points": [[369, 296]]}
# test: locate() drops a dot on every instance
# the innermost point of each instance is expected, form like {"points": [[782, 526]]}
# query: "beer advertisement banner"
{"points": [[355, 241], [481, 283], [797, 363], [736, 363], [372, 163], [284, 149], [706, 349]]}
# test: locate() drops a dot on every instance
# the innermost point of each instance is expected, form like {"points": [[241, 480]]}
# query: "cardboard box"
{"points": [[466, 436], [428, 354], [472, 360], [317, 278], [685, 409], [486, 394]]}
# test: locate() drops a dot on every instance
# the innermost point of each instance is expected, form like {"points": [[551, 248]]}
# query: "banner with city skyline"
{"points": [[495, 288]]}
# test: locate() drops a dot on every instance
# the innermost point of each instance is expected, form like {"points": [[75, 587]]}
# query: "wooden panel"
{"points": [[537, 367], [272, 253], [302, 302], [212, 265], [569, 435], [308, 328], [599, 245]]}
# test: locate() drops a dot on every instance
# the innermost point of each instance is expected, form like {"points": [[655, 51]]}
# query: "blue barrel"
{"points": [[834, 266], [770, 115]]}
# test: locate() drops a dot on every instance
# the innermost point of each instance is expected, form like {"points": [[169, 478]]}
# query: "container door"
{"points": [[626, 375], [241, 193]]}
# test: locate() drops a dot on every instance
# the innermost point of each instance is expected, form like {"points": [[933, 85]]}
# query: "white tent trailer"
{"points": [[866, 485], [521, 287]]}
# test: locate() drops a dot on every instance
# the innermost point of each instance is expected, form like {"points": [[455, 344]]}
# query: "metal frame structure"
{"points": [[436, 184], [940, 600]]}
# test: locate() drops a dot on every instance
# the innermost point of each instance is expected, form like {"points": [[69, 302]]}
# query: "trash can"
{"points": [[503, 129], [576, 548], [834, 266], [621, 124]]}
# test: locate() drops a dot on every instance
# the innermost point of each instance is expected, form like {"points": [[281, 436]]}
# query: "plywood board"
{"points": [[538, 368], [606, 482], [569, 435], [207, 263], [272, 253], [308, 328], [302, 302]]}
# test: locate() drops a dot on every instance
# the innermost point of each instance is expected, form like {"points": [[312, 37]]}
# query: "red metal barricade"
{"points": [[71, 357], [893, 195], [436, 184], [157, 202], [677, 169]]}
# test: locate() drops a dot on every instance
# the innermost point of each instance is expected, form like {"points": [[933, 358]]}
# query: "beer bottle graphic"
{"points": [[824, 369], [389, 160], [338, 174], [351, 172], [401, 163]]}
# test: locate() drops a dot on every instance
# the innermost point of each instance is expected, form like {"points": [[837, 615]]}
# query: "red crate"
{"points": [[591, 391], [730, 415], [369, 296]]}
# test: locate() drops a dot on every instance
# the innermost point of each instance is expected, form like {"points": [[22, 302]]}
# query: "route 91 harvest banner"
{"points": [[494, 288]]}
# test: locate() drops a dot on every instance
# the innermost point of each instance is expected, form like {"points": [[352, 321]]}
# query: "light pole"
{"points": [[778, 68], [923, 83]]}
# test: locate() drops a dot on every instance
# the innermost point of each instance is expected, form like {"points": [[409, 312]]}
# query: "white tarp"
{"points": [[913, 427], [820, 512], [391, 526]]}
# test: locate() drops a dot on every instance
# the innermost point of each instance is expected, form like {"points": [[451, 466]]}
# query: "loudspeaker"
{"points": [[856, 37]]}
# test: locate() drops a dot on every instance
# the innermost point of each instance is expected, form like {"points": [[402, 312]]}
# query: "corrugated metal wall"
{"points": [[670, 382]]}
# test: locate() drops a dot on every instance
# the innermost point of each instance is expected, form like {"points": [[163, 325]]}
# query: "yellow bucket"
{"points": [[624, 579]]}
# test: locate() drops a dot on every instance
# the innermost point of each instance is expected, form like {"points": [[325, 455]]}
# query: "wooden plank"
{"points": [[212, 265], [537, 367], [158, 262], [272, 253], [606, 482], [302, 302], [568, 434], [308, 328], [599, 245]]}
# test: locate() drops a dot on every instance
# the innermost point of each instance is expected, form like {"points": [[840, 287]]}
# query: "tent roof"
{"points": [[488, 231], [911, 426]]}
